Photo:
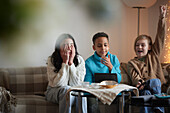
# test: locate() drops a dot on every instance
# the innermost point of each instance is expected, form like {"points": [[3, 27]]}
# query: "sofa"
{"points": [[28, 85]]}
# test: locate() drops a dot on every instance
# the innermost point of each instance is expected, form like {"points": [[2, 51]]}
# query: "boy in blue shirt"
{"points": [[102, 61]]}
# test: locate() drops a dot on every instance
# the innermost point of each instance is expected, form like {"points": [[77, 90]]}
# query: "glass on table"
{"points": [[95, 85], [85, 84]]}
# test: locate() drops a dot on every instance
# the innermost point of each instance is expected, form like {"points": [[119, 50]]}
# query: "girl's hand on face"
{"points": [[163, 10], [65, 54], [72, 54], [106, 61]]}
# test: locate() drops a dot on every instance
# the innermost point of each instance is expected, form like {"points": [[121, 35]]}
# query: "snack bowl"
{"points": [[108, 84]]}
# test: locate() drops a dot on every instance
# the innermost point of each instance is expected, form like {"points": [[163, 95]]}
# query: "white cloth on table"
{"points": [[105, 95]]}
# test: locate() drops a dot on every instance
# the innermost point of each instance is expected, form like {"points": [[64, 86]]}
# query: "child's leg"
{"points": [[145, 109], [92, 105], [155, 87], [65, 106]]}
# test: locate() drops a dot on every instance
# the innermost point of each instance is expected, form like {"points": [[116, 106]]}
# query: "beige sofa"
{"points": [[29, 84]]}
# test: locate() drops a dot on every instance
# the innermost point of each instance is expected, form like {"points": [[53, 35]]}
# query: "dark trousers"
{"points": [[92, 105]]}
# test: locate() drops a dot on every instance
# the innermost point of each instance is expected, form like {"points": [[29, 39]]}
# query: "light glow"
{"points": [[166, 57]]}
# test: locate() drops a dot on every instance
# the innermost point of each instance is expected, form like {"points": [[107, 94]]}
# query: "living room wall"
{"points": [[37, 24]]}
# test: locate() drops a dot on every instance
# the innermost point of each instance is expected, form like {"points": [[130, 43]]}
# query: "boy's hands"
{"points": [[163, 10], [106, 61]]}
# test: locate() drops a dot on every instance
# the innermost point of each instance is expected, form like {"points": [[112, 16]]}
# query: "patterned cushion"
{"points": [[31, 80]]}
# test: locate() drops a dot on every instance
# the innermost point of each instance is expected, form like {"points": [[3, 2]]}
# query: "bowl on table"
{"points": [[108, 84]]}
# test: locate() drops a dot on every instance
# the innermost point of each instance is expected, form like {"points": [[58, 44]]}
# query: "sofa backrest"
{"points": [[30, 80], [33, 80]]}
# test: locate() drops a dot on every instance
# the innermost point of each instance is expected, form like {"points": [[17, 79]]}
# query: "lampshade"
{"points": [[139, 3]]}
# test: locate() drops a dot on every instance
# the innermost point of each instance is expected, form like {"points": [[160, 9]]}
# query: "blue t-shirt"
{"points": [[93, 65]]}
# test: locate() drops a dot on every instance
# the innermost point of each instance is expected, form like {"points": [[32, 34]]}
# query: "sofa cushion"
{"points": [[34, 104], [166, 71], [31, 80], [125, 77]]}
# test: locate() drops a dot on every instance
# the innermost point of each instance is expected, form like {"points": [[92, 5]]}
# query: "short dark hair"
{"points": [[99, 34]]}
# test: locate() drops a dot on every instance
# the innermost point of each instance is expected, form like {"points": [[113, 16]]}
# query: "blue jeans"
{"points": [[152, 86]]}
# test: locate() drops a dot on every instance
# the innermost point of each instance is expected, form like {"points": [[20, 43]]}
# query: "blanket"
{"points": [[7, 100], [105, 95]]}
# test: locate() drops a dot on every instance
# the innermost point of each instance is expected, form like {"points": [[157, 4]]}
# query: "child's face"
{"points": [[142, 47], [101, 46]]}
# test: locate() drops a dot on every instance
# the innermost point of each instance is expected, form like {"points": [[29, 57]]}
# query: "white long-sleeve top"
{"points": [[67, 75]]}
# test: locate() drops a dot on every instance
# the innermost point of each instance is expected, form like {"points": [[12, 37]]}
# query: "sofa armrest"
{"points": [[166, 72], [4, 78]]}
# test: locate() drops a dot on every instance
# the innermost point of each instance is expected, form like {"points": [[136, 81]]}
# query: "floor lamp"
{"points": [[139, 8], [139, 4]]}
